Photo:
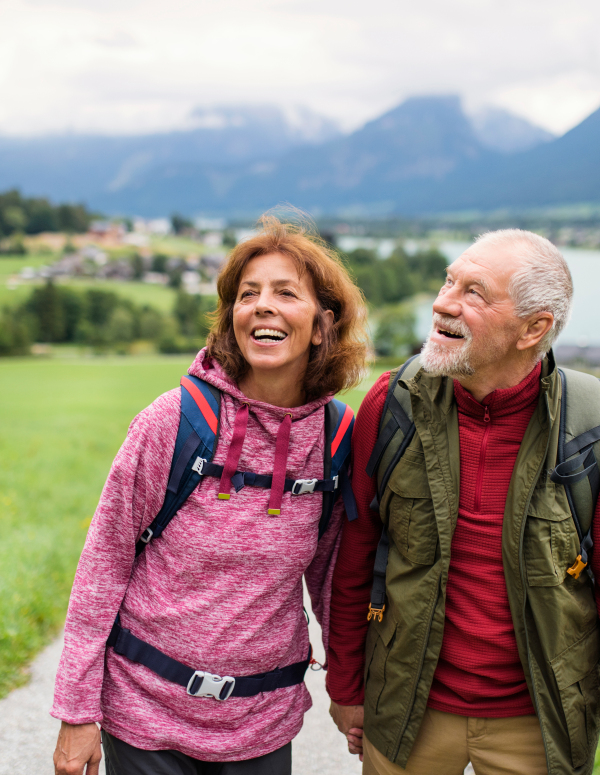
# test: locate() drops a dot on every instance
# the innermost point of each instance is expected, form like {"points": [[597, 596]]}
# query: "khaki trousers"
{"points": [[446, 743]]}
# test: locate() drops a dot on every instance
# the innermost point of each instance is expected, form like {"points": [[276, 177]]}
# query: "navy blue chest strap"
{"points": [[242, 478], [202, 683]]}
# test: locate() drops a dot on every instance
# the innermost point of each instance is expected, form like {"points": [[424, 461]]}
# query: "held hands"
{"points": [[349, 720], [77, 745]]}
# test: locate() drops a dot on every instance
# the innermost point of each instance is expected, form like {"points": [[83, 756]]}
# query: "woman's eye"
{"points": [[246, 293]]}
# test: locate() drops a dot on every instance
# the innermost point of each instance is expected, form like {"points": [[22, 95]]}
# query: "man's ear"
{"points": [[535, 330], [325, 320]]}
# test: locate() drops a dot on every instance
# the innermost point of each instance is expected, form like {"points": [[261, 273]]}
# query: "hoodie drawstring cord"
{"points": [[235, 450], [279, 469]]}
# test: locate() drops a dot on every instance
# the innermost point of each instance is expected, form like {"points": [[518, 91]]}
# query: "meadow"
{"points": [[62, 421]]}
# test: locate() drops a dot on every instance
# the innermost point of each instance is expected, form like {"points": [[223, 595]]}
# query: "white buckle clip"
{"points": [[146, 535], [198, 465], [336, 482], [210, 685], [302, 486]]}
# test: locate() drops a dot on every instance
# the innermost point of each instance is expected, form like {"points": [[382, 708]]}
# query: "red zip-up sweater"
{"points": [[479, 672]]}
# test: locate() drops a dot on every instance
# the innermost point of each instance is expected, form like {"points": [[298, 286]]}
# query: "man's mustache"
{"points": [[451, 324]]}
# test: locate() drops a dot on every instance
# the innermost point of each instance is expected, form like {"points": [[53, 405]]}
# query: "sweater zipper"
{"points": [[484, 441]]}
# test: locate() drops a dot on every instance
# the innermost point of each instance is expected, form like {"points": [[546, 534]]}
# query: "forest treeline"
{"points": [[102, 320], [34, 215], [105, 320]]}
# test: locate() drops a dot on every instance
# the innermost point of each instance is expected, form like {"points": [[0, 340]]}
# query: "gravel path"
{"points": [[28, 732]]}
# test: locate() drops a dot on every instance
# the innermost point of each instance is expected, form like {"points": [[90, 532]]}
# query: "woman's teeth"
{"points": [[268, 335]]}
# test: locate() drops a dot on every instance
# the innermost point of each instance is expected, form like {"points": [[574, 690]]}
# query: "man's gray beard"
{"points": [[441, 362]]}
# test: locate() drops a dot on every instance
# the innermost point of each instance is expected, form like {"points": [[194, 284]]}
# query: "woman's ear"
{"points": [[324, 320]]}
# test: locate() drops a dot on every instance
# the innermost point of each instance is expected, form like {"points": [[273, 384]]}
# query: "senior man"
{"points": [[487, 647]]}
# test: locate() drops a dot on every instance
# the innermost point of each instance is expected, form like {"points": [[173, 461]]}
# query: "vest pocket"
{"points": [[380, 641], [551, 542], [576, 673], [412, 524]]}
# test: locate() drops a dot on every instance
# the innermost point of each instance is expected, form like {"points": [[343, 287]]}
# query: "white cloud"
{"points": [[127, 66]]}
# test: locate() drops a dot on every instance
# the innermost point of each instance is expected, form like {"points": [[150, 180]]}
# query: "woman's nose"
{"points": [[264, 304]]}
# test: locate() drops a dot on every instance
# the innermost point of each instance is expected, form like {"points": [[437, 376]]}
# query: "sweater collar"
{"points": [[212, 372], [502, 401]]}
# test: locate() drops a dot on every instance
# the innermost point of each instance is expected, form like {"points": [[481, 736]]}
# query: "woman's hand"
{"points": [[349, 719], [77, 745]]}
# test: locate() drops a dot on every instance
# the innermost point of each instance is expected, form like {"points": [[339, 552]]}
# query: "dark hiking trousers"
{"points": [[123, 759]]}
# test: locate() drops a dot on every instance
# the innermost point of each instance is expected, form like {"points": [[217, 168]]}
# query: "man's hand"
{"points": [[349, 719], [77, 745]]}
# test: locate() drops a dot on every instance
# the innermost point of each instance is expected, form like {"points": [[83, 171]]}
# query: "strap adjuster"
{"points": [[375, 613], [147, 535], [577, 567], [199, 465], [302, 486], [203, 684]]}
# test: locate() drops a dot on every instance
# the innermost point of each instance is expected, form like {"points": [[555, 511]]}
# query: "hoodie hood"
{"points": [[210, 371]]}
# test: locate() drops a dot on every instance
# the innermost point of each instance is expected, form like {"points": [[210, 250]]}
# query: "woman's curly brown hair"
{"points": [[338, 363]]}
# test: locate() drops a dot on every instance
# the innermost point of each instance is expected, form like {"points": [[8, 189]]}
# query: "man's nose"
{"points": [[447, 303]]}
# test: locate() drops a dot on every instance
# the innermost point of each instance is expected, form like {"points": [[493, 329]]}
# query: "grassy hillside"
{"points": [[157, 296]]}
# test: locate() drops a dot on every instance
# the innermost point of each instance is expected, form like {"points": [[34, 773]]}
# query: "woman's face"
{"points": [[274, 316]]}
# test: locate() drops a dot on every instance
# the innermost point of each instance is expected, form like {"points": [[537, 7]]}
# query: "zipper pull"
{"points": [[486, 415]]}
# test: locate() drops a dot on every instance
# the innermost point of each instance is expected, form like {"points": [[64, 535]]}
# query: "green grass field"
{"points": [[62, 421]]}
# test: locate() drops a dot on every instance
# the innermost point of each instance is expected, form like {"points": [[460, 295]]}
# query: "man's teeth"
{"points": [[451, 334], [269, 334]]}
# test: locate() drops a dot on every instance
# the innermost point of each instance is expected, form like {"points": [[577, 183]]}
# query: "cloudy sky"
{"points": [[116, 66]]}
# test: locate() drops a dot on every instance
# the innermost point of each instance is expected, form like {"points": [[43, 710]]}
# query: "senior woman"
{"points": [[221, 588]]}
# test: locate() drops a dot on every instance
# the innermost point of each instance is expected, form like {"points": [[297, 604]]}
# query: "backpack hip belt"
{"points": [[202, 683]]}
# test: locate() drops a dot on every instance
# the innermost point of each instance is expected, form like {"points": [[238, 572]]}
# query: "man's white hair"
{"points": [[542, 284]]}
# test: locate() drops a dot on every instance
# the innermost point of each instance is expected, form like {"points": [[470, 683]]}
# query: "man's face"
{"points": [[474, 321]]}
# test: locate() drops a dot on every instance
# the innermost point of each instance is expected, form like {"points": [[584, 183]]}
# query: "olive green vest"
{"points": [[554, 614]]}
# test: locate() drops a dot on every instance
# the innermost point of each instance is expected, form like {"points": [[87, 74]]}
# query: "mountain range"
{"points": [[427, 155]]}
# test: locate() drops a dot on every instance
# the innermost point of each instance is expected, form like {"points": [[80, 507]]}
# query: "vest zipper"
{"points": [[484, 442]]}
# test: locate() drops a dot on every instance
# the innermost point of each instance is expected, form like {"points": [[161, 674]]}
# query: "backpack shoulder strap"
{"points": [[396, 425], [195, 443], [578, 454], [396, 431], [339, 424]]}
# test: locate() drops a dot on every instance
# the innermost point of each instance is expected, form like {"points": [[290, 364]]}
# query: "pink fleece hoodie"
{"points": [[220, 590]]}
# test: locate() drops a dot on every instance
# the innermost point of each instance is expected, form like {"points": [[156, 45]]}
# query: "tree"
{"points": [[395, 336], [159, 263], [15, 337], [180, 224]]}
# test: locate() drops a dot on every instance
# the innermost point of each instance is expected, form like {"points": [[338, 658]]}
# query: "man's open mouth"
{"points": [[449, 334], [268, 335]]}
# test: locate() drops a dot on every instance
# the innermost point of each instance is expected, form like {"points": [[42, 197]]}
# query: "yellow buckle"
{"points": [[224, 496], [375, 613], [577, 567]]}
